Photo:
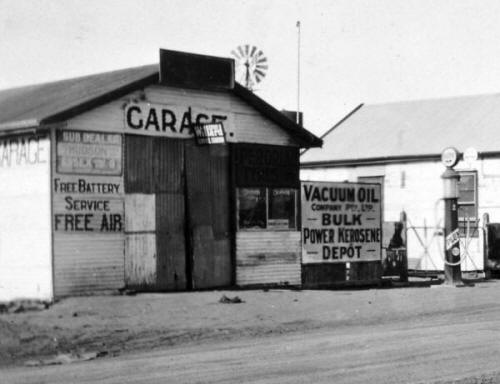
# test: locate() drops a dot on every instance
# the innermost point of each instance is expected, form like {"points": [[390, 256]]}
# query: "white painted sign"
{"points": [[89, 153], [85, 204], [20, 151], [209, 133], [169, 120], [341, 222], [25, 226], [452, 239]]}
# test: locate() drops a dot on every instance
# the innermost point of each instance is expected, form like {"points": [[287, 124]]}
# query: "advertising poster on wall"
{"points": [[88, 187], [341, 222], [85, 204], [90, 153]]}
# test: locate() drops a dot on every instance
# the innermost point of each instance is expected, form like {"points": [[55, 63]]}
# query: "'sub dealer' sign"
{"points": [[341, 222]]}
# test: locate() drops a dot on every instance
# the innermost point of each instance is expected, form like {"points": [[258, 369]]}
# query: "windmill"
{"points": [[251, 65]]}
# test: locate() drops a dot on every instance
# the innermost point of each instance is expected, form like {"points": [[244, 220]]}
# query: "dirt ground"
{"points": [[114, 325]]}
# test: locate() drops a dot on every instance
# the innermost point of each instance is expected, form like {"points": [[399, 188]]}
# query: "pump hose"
{"points": [[453, 264]]}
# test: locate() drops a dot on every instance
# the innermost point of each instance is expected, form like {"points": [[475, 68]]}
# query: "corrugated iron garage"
{"points": [[105, 186]]}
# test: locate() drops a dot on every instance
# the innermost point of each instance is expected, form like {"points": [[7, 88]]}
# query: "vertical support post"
{"points": [[486, 247], [233, 208], [297, 119], [404, 266], [452, 270]]}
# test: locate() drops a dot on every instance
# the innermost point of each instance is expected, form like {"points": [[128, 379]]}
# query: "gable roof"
{"points": [[36, 105], [410, 131], [48, 102]]}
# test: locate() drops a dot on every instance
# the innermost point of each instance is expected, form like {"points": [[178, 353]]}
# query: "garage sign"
{"points": [[169, 120], [341, 222]]}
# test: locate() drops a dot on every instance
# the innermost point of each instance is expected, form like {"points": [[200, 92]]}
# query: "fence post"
{"points": [[486, 247], [404, 267]]}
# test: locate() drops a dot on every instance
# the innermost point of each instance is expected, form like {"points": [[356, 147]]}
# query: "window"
{"points": [[252, 208], [267, 208], [467, 203], [281, 208]]}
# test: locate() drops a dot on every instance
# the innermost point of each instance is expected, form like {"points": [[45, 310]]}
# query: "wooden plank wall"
{"points": [[243, 124], [268, 257]]}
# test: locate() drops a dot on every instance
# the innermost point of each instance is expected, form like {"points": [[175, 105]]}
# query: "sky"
{"points": [[351, 52]]}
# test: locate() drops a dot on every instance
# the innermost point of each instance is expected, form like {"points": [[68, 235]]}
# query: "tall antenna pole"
{"points": [[298, 73]]}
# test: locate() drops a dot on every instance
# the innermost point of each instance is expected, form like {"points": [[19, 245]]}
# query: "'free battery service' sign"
{"points": [[341, 222]]}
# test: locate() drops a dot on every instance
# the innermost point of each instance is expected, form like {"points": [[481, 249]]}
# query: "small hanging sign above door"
{"points": [[212, 133]]}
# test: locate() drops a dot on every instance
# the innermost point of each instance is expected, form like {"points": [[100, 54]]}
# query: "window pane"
{"points": [[252, 208], [467, 212], [466, 197], [467, 188], [282, 208], [467, 217], [472, 228], [466, 181]]}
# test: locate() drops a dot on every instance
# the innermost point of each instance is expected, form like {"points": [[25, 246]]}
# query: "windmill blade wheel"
{"points": [[251, 65]]}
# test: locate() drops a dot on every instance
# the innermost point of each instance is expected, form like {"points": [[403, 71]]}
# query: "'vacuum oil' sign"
{"points": [[341, 222]]}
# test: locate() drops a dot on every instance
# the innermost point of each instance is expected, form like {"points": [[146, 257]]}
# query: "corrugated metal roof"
{"points": [[35, 105], [412, 129], [38, 103]]}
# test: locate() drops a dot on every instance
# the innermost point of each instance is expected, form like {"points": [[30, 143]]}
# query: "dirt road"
{"points": [[386, 353], [398, 335]]}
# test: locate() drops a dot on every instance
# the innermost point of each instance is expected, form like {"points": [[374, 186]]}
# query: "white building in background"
{"points": [[399, 145]]}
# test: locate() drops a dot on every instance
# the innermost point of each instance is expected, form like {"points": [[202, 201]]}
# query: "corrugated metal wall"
{"points": [[88, 260], [88, 215], [168, 160], [207, 170], [86, 264], [192, 248], [155, 171], [170, 240], [265, 257], [139, 164]]}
